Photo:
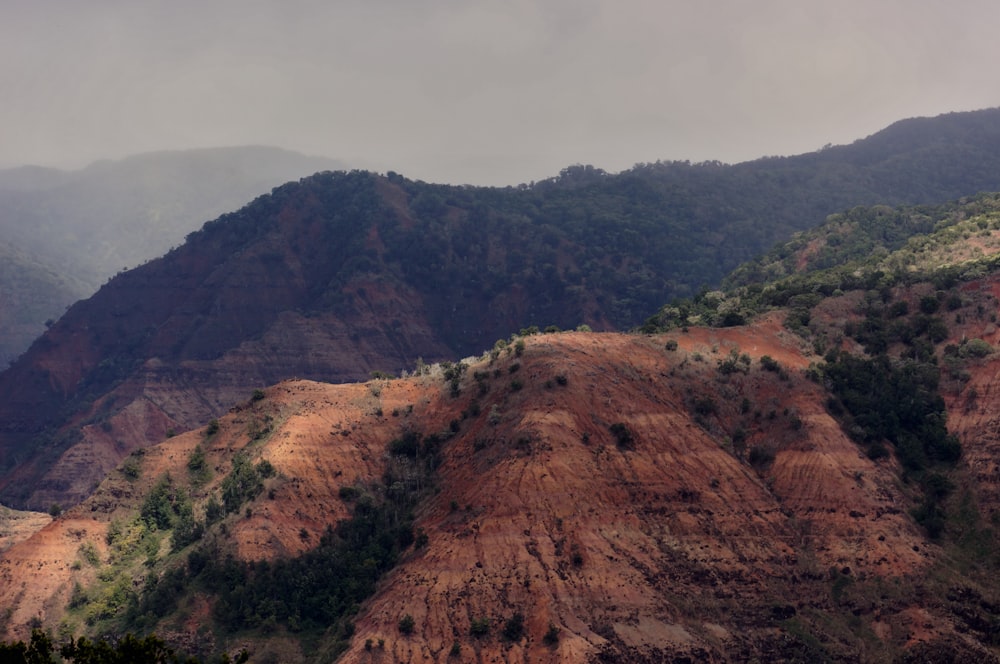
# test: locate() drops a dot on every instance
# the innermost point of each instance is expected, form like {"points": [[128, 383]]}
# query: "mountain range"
{"points": [[795, 462], [344, 273]]}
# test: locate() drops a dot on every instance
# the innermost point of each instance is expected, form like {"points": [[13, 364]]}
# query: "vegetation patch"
{"points": [[623, 435], [317, 592]]}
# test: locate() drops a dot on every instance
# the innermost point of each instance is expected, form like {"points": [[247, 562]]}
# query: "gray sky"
{"points": [[465, 91]]}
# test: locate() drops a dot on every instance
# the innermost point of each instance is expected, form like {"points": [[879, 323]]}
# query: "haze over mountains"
{"points": [[63, 233], [631, 498]]}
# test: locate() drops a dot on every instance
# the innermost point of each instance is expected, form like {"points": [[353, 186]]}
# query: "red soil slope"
{"points": [[671, 545]]}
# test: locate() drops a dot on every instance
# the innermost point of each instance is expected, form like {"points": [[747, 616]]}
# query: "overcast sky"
{"points": [[482, 92]]}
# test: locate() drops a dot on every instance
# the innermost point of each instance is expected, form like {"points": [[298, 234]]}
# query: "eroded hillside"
{"points": [[581, 497]]}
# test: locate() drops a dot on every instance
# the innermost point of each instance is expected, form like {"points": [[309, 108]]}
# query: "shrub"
{"points": [[197, 464], [265, 469], [78, 597], [513, 629], [760, 457], [671, 344], [551, 637], [213, 510], [734, 363], [244, 482], [768, 363], [348, 493], [406, 624], [131, 468], [158, 508], [479, 627], [623, 435], [929, 304], [187, 529], [89, 554], [975, 348], [408, 445], [705, 406]]}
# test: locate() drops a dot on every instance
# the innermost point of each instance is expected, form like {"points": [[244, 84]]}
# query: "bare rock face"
{"points": [[591, 488]]}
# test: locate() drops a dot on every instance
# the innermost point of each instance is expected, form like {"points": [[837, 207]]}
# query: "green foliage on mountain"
{"points": [[898, 274], [905, 243], [865, 248], [663, 230], [313, 595]]}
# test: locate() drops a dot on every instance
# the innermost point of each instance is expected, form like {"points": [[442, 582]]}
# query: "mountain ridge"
{"points": [[86, 225], [359, 272], [715, 493]]}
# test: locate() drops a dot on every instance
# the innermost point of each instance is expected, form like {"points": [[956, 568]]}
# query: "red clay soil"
{"points": [[735, 494]]}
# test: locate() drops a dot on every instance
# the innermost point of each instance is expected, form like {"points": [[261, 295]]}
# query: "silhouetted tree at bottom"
{"points": [[129, 649]]}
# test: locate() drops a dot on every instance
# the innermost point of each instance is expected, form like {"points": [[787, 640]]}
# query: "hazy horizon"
{"points": [[481, 93]]}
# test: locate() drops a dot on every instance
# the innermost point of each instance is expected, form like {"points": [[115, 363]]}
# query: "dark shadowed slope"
{"points": [[74, 229]]}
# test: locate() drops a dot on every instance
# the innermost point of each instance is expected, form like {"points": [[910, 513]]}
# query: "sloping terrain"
{"points": [[592, 485], [814, 480], [17, 526], [64, 233], [343, 274]]}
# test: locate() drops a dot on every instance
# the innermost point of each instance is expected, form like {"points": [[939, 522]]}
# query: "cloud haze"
{"points": [[482, 92]]}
